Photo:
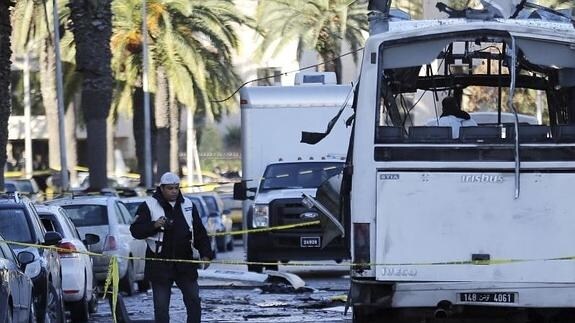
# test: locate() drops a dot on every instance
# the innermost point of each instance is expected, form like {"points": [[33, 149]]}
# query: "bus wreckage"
{"points": [[474, 224]]}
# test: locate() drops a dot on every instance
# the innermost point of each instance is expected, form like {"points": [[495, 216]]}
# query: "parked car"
{"points": [[216, 205], [109, 218], [19, 222], [236, 213], [26, 186], [132, 203], [79, 286], [212, 223], [16, 300]]}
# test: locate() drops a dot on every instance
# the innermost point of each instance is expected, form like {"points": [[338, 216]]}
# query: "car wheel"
{"points": [[230, 245], [79, 310], [54, 313], [93, 303], [221, 243], [127, 282], [214, 247]]}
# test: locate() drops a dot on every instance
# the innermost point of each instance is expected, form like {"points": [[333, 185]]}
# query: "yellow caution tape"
{"points": [[279, 227], [113, 278], [113, 275]]}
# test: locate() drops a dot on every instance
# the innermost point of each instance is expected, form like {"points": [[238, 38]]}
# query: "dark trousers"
{"points": [[162, 291]]}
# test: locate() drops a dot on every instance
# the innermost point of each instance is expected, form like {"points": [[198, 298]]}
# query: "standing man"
{"points": [[171, 225]]}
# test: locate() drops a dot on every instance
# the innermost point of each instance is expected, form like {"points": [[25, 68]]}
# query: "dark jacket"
{"points": [[176, 242]]}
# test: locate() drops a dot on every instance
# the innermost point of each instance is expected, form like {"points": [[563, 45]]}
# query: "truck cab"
{"points": [[278, 203], [277, 167]]}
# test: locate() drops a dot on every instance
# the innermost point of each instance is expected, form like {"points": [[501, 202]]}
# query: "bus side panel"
{"points": [[431, 225]]}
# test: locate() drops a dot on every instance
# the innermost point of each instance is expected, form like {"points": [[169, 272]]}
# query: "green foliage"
{"points": [[194, 42], [320, 25], [211, 140], [210, 144], [233, 138]]}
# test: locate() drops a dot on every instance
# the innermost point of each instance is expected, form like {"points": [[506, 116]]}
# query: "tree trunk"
{"points": [[5, 63], [161, 104], [332, 63], [48, 88], [174, 134], [92, 28], [138, 130]]}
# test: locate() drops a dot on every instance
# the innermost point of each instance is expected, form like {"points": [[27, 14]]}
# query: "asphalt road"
{"points": [[237, 299]]}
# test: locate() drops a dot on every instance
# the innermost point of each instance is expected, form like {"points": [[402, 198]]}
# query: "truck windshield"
{"points": [[298, 175]]}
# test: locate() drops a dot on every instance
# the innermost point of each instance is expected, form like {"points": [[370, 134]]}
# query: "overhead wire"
{"points": [[287, 73]]}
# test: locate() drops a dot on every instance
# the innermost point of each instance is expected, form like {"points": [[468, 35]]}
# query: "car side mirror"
{"points": [[52, 238], [25, 258], [91, 239]]}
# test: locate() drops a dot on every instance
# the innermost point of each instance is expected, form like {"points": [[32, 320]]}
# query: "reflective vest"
{"points": [[156, 212]]}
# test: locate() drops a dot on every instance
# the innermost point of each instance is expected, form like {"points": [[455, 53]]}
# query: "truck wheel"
{"points": [[272, 267], [256, 268]]}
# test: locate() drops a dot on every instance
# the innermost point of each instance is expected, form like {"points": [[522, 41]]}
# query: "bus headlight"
{"points": [[261, 216]]}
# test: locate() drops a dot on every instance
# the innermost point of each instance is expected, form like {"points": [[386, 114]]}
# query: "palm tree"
{"points": [[191, 45], [321, 25], [92, 29], [5, 63]]}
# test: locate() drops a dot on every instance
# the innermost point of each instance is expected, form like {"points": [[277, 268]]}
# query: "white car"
{"points": [[78, 285], [132, 203], [109, 218]]}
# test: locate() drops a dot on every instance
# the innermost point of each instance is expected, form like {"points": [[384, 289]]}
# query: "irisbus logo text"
{"points": [[482, 178]]}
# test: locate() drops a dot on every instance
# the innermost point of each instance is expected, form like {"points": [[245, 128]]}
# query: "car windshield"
{"points": [[25, 186], [132, 207], [298, 175], [211, 203], [14, 226], [10, 187], [87, 215], [199, 206]]}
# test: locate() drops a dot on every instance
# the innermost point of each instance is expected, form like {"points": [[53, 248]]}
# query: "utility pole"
{"points": [[27, 117], [145, 87], [60, 98]]}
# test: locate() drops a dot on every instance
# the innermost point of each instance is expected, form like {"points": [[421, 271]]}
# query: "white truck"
{"points": [[277, 167], [479, 227]]}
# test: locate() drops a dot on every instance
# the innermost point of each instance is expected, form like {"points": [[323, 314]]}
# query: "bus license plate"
{"points": [[498, 297], [310, 242]]}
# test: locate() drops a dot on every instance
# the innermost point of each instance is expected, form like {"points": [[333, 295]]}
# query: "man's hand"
{"points": [[204, 265], [160, 222]]}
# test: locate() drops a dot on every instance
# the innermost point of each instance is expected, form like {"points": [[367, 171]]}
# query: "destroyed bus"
{"points": [[474, 224]]}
